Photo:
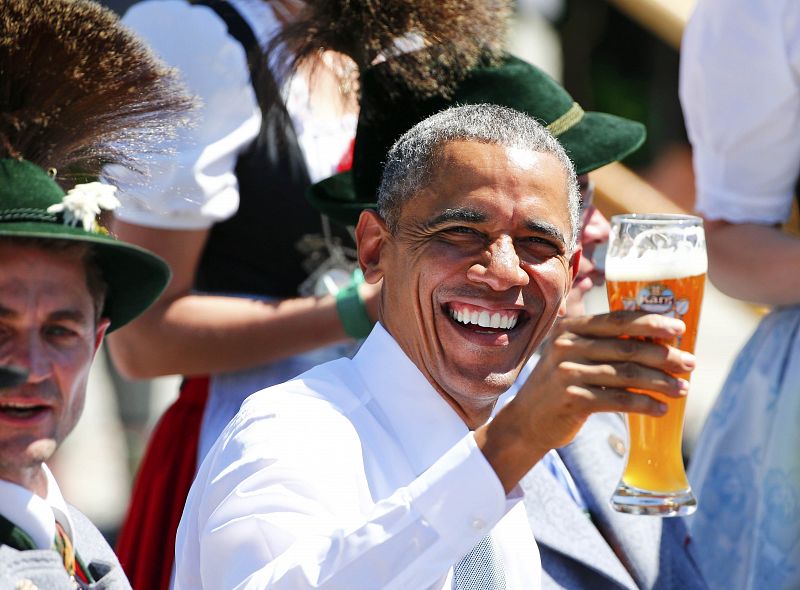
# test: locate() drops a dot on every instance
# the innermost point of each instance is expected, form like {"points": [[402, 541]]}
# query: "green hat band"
{"points": [[27, 215], [566, 121]]}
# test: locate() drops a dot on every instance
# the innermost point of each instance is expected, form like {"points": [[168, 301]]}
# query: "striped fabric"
{"points": [[480, 569]]}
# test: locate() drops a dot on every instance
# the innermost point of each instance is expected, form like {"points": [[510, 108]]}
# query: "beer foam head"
{"points": [[656, 254], [656, 265]]}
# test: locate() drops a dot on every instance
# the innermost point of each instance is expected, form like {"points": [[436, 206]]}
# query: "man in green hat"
{"points": [[607, 550], [76, 91]]}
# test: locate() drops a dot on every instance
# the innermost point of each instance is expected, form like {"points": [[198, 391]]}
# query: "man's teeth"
{"points": [[484, 319]]}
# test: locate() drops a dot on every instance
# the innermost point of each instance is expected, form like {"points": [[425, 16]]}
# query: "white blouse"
{"points": [[193, 185], [741, 101]]}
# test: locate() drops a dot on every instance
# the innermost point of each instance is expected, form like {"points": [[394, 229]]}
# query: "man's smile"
{"points": [[496, 320], [22, 410]]}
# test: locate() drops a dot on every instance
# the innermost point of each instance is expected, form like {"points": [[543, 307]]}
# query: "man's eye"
{"points": [[59, 332], [539, 244], [538, 241], [460, 229]]}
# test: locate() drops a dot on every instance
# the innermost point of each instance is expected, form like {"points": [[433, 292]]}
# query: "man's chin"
{"points": [[41, 450], [482, 385]]}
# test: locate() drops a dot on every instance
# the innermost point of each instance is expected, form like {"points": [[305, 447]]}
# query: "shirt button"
{"points": [[478, 524], [616, 444]]}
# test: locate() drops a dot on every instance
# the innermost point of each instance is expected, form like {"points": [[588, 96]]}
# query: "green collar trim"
{"points": [[13, 536]]}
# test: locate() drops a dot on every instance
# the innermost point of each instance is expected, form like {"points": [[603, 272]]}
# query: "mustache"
{"points": [[11, 376]]}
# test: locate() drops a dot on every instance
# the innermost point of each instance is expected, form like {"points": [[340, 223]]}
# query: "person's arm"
{"points": [[189, 334], [740, 65], [754, 262], [283, 509], [281, 506]]}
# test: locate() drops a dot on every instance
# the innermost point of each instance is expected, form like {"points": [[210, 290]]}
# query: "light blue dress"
{"points": [[740, 91], [746, 466]]}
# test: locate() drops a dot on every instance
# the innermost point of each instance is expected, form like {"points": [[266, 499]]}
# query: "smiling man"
{"points": [[583, 542], [383, 471], [57, 300]]}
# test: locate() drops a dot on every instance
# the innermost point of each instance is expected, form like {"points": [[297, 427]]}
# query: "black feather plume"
{"points": [[78, 90], [454, 36]]}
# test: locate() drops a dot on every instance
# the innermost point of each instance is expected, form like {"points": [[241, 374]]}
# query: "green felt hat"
{"points": [[591, 139], [32, 206]]}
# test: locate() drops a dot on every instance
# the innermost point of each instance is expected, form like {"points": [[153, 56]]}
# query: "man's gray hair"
{"points": [[412, 159]]}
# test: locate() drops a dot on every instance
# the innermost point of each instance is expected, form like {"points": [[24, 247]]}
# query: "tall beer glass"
{"points": [[657, 263]]}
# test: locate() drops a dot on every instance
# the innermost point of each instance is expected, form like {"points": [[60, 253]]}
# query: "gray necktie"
{"points": [[481, 568]]}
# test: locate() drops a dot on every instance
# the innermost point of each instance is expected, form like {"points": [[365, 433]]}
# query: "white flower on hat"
{"points": [[84, 203]]}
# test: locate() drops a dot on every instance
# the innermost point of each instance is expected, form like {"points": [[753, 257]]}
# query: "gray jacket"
{"points": [[31, 569], [575, 555]]}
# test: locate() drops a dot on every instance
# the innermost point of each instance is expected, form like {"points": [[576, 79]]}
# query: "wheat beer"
{"points": [[657, 264]]}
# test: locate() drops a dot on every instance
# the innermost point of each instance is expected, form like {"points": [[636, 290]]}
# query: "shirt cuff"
{"points": [[461, 497]]}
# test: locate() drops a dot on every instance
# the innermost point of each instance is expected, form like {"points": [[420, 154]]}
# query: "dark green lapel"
{"points": [[13, 536]]}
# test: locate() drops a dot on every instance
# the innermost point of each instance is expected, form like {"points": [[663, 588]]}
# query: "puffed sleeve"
{"points": [[739, 88], [192, 184]]}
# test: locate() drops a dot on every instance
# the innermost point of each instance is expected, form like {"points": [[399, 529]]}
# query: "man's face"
{"points": [[477, 270], [47, 327], [593, 232]]}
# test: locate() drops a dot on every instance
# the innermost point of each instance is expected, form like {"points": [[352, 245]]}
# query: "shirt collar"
{"points": [[36, 515], [423, 422]]}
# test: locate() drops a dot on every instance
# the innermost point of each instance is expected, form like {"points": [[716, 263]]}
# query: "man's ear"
{"points": [[574, 263], [100, 332], [371, 237]]}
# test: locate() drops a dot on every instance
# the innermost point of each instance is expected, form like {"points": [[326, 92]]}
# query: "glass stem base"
{"points": [[631, 500]]}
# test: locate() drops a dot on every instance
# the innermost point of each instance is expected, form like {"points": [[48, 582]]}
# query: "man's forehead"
{"points": [[469, 175], [474, 152]]}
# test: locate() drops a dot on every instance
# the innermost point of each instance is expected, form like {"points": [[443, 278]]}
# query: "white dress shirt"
{"points": [[36, 515], [741, 99], [356, 475]]}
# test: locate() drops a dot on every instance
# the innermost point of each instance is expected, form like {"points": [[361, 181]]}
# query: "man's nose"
{"points": [[30, 355], [501, 268]]}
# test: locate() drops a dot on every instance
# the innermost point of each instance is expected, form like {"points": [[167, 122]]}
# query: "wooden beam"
{"points": [[619, 190], [664, 18]]}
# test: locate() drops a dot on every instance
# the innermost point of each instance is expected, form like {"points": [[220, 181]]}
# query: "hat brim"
{"points": [[599, 139], [135, 276], [336, 197]]}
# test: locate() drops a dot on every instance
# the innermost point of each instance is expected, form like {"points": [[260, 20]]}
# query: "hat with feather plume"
{"points": [[79, 91]]}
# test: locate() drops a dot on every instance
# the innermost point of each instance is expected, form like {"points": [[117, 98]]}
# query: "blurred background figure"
{"points": [[740, 89]]}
